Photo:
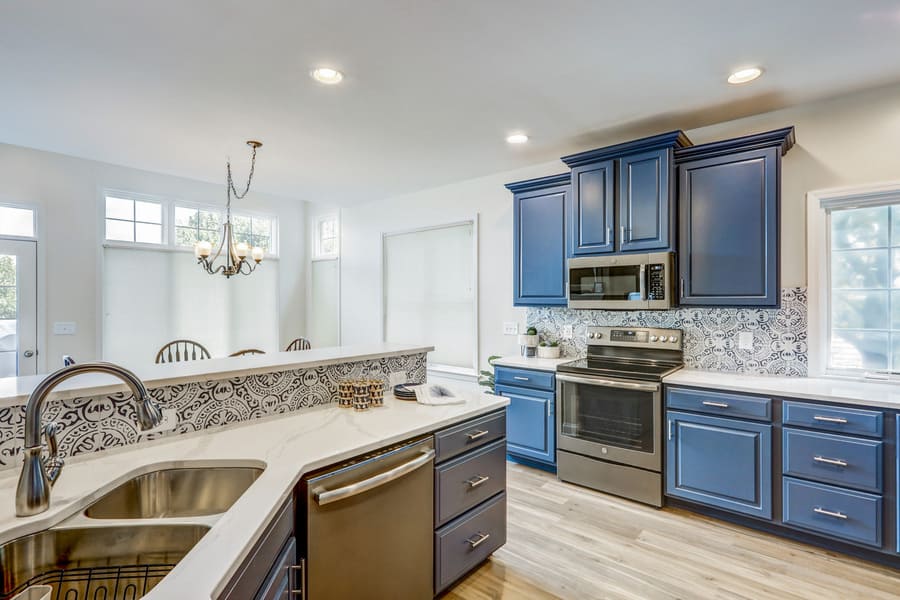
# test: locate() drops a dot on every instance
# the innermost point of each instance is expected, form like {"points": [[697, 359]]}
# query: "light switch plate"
{"points": [[510, 328], [64, 328], [745, 340], [568, 333]]}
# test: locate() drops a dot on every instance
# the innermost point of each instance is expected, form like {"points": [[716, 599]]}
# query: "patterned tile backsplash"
{"points": [[101, 422], [710, 334]]}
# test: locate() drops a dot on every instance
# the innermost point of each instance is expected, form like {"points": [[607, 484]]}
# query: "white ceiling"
{"points": [[432, 87]]}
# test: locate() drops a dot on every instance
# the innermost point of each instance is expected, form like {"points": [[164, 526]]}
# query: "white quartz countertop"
{"points": [[848, 391], [15, 390], [538, 364], [288, 446]]}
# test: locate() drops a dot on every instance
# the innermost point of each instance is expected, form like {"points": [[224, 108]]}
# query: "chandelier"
{"points": [[234, 255]]}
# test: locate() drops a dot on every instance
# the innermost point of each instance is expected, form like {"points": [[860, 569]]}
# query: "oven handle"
{"points": [[626, 385]]}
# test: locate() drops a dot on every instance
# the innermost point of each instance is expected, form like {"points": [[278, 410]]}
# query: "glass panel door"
{"points": [[605, 283], [622, 418], [18, 308]]}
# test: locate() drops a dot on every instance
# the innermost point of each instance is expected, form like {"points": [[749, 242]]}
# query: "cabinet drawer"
{"points": [[835, 512], [469, 435], [720, 403], [834, 418], [469, 480], [462, 544], [836, 459], [538, 380]]}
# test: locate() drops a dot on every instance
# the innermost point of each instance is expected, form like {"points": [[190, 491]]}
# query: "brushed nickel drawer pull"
{"points": [[476, 434], [830, 513], [831, 461], [517, 378], [478, 540], [474, 482], [715, 404], [830, 419]]}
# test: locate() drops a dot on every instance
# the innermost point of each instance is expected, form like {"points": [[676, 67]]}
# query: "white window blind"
{"points": [[429, 292], [151, 297]]}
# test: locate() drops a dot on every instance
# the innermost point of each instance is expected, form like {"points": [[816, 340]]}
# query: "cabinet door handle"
{"points": [[670, 430], [518, 378], [622, 233], [474, 482], [608, 235], [840, 420], [476, 434], [831, 461], [477, 540], [298, 570], [682, 287], [830, 513], [715, 404]]}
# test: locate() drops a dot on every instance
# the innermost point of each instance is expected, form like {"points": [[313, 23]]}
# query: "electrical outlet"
{"points": [[745, 340], [568, 333], [510, 328], [64, 328]]}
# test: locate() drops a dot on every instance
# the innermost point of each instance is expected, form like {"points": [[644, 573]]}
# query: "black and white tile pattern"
{"points": [[710, 334], [101, 422]]}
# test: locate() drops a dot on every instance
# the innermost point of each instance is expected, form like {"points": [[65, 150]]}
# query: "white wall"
{"points": [[67, 192], [842, 141]]}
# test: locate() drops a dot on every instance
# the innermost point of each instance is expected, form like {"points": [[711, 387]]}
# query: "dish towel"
{"points": [[437, 395]]}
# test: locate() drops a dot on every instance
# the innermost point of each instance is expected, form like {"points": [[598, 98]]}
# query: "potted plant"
{"points": [[528, 341], [486, 378], [548, 350]]}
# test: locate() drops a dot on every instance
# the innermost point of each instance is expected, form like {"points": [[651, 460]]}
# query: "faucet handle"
{"points": [[54, 462]]}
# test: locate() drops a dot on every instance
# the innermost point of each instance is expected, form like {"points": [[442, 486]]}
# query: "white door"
{"points": [[18, 308]]}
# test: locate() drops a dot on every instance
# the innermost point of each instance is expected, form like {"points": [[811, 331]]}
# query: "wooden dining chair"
{"points": [[246, 352], [300, 343], [181, 350]]}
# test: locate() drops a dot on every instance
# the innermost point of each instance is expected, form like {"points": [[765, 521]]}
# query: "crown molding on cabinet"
{"points": [[783, 138], [676, 138], [539, 183]]}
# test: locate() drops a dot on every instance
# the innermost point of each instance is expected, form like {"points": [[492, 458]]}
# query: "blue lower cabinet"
{"points": [[835, 512], [530, 423], [724, 463]]}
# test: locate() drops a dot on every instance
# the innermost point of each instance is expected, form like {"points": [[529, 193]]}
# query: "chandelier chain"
{"points": [[231, 188]]}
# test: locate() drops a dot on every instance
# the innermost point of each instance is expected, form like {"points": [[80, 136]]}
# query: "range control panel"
{"points": [[645, 337]]}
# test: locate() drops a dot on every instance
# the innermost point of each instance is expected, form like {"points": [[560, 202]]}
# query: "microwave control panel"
{"points": [[656, 282]]}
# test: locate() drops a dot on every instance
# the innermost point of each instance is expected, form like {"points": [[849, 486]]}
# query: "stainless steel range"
{"points": [[610, 414]]}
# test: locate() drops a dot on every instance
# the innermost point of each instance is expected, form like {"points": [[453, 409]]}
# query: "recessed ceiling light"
{"points": [[516, 138], [744, 75], [327, 75]]}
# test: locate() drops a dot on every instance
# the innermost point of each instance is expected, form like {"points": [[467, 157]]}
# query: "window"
{"points": [[16, 221], [326, 237], [131, 220], [254, 230], [193, 225], [854, 270], [430, 293]]}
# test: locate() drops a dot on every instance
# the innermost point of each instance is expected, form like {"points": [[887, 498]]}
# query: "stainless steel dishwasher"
{"points": [[369, 525]]}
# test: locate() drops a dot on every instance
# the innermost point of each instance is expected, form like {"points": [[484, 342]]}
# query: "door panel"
{"points": [[644, 200], [591, 212], [540, 247], [18, 308], [530, 430]]}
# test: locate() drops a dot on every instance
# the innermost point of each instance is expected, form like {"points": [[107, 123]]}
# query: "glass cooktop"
{"points": [[622, 368]]}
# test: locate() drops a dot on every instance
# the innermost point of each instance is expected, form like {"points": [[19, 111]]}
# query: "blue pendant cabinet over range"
{"points": [[623, 196], [729, 197], [539, 240], [531, 414]]}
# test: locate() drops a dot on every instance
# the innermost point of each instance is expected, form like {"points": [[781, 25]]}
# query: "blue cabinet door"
{"points": [[591, 216], [728, 242], [530, 423], [725, 463], [539, 254], [646, 201]]}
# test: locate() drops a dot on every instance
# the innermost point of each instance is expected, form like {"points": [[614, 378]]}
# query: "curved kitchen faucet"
{"points": [[39, 474]]}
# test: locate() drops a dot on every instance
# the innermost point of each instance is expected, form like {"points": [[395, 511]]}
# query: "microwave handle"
{"points": [[643, 281]]}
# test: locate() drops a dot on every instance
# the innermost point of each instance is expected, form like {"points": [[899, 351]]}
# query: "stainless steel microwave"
{"points": [[622, 282]]}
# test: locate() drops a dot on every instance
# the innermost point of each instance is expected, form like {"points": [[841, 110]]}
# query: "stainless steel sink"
{"points": [[95, 562], [183, 492]]}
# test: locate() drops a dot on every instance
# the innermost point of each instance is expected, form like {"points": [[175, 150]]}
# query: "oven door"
{"points": [[611, 419], [618, 282]]}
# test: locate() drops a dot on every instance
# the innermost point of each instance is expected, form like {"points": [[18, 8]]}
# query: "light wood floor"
{"points": [[564, 541]]}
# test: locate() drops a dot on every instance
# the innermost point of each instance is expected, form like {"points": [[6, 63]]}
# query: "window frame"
{"points": [[34, 221], [442, 369], [317, 253], [819, 203], [136, 197]]}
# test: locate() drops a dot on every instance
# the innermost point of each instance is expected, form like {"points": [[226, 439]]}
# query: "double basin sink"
{"points": [[116, 559]]}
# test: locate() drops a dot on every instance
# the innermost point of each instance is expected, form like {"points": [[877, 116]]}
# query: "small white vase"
{"points": [[548, 351], [528, 340]]}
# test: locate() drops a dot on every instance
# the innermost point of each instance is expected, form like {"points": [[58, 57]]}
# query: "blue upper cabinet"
{"points": [[623, 199], [729, 204], [539, 238], [591, 216]]}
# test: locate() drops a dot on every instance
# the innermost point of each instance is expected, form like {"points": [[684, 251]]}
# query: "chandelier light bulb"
{"points": [[202, 249], [241, 249], [257, 253]]}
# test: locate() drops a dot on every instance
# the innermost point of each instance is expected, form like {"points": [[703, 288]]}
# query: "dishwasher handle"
{"points": [[324, 497]]}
